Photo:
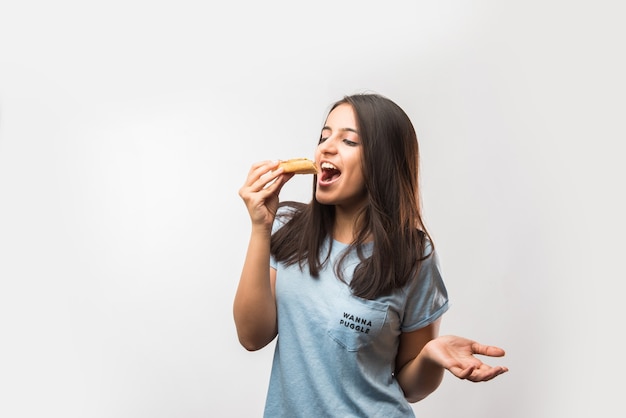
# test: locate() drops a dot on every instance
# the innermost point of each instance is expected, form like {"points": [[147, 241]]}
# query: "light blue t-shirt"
{"points": [[335, 352]]}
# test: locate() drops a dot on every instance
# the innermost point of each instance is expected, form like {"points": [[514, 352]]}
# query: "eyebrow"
{"points": [[341, 129]]}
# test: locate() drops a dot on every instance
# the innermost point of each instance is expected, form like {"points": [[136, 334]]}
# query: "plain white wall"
{"points": [[127, 127]]}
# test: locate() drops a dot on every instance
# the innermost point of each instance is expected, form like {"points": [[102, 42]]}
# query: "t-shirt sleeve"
{"points": [[427, 297]]}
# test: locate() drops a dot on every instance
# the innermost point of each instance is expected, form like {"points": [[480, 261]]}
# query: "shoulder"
{"points": [[288, 209], [426, 245], [286, 212]]}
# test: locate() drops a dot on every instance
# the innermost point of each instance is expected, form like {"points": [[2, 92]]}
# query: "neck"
{"points": [[344, 228]]}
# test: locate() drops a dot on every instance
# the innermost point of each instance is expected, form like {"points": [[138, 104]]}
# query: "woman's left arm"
{"points": [[418, 377]]}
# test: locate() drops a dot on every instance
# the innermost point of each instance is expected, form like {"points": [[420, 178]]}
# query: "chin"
{"points": [[324, 200]]}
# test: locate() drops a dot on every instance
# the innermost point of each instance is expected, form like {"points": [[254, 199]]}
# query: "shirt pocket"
{"points": [[355, 322]]}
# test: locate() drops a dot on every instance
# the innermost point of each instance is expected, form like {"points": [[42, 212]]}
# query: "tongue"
{"points": [[330, 175]]}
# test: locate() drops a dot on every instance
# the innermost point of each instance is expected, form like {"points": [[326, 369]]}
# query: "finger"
{"points": [[259, 164], [261, 179], [486, 374], [462, 373], [273, 187], [487, 350], [253, 196], [258, 169], [281, 181]]}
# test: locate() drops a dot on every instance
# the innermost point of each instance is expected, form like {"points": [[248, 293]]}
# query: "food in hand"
{"points": [[298, 166]]}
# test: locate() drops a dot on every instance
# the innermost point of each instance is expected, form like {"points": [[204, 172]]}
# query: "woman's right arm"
{"points": [[254, 307]]}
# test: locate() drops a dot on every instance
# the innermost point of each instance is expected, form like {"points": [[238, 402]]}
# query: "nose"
{"points": [[328, 146]]}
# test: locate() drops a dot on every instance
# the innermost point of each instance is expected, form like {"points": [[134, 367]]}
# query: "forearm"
{"points": [[254, 307], [420, 377]]}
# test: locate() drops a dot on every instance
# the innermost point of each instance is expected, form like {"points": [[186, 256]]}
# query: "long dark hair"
{"points": [[392, 214]]}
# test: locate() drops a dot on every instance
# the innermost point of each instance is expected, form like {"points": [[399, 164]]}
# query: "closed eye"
{"points": [[350, 143]]}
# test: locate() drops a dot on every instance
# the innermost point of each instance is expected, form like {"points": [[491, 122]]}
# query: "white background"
{"points": [[127, 128]]}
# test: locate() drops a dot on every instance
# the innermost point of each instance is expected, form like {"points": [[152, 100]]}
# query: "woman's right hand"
{"points": [[261, 189]]}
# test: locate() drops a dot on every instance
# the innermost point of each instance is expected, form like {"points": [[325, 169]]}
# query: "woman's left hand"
{"points": [[458, 355]]}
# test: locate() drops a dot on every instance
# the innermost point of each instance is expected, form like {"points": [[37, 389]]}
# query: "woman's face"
{"points": [[340, 180]]}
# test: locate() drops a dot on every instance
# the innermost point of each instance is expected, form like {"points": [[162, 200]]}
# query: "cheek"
{"points": [[357, 180]]}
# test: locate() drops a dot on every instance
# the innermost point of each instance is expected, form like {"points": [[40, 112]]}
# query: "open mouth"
{"points": [[328, 174]]}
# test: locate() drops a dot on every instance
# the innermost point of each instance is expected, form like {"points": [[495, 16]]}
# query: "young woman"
{"points": [[350, 282]]}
